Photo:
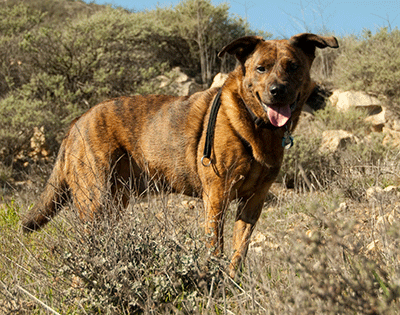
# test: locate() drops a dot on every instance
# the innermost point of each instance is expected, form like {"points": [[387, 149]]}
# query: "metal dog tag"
{"points": [[287, 140]]}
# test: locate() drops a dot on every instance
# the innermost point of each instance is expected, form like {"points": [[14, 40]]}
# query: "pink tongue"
{"points": [[278, 116]]}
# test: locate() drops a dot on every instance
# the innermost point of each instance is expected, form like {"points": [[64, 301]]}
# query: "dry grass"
{"points": [[333, 249], [320, 252]]}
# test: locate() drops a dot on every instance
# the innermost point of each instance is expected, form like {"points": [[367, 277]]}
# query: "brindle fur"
{"points": [[133, 139]]}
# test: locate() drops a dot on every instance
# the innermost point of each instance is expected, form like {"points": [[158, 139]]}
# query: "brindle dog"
{"points": [[118, 145]]}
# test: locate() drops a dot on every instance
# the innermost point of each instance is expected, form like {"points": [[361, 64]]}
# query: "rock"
{"points": [[39, 148], [334, 98], [391, 189], [373, 246], [333, 140], [377, 114], [178, 83], [376, 191], [189, 88], [343, 206], [181, 77], [259, 242], [219, 80], [396, 124], [392, 138], [382, 221], [310, 233], [357, 99], [372, 192], [378, 120]]}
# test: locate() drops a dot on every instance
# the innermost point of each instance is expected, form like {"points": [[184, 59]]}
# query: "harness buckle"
{"points": [[203, 161]]}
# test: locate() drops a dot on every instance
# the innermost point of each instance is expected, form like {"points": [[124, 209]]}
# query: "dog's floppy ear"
{"points": [[241, 47], [307, 42]]}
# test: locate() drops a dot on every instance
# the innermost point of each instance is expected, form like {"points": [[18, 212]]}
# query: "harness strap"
{"points": [[211, 129], [287, 140]]}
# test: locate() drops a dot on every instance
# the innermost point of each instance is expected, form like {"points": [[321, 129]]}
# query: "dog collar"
{"points": [[287, 139]]}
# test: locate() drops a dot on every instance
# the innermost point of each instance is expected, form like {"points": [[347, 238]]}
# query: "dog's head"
{"points": [[276, 73]]}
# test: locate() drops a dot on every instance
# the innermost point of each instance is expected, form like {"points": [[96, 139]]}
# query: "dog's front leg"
{"points": [[214, 206], [246, 217]]}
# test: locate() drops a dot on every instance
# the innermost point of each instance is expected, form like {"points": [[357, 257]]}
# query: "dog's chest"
{"points": [[259, 177]]}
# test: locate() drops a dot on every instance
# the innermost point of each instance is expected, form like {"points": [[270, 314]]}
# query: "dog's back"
{"points": [[125, 144]]}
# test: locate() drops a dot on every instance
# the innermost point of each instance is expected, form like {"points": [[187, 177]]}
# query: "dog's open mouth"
{"points": [[278, 114]]}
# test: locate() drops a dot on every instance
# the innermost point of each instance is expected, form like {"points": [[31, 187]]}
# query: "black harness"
{"points": [[287, 139]]}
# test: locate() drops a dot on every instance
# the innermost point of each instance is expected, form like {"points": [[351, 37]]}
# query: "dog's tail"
{"points": [[50, 201]]}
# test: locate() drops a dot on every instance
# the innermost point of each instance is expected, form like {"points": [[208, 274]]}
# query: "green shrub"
{"points": [[302, 160], [71, 70], [371, 64], [15, 21], [98, 57], [9, 214], [350, 168], [352, 120], [134, 267], [18, 117], [55, 65]]}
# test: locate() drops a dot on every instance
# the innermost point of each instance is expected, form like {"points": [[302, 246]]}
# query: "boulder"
{"points": [[377, 114], [334, 98], [219, 80], [377, 120], [178, 83], [392, 138], [356, 99], [38, 143], [334, 140]]}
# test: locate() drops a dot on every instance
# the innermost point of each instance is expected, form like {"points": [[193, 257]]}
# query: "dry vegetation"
{"points": [[332, 249], [316, 252]]}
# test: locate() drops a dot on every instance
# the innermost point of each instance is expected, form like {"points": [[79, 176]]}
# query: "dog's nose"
{"points": [[277, 90]]}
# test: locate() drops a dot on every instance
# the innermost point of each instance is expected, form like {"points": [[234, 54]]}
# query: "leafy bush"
{"points": [[14, 22], [377, 69], [350, 168], [352, 120], [97, 57], [303, 160], [56, 65], [132, 266]]}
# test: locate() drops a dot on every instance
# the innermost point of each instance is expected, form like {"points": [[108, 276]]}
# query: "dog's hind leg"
{"points": [[89, 196], [123, 180]]}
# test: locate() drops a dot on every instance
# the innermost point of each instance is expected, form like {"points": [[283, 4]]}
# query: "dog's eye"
{"points": [[261, 69], [292, 66]]}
